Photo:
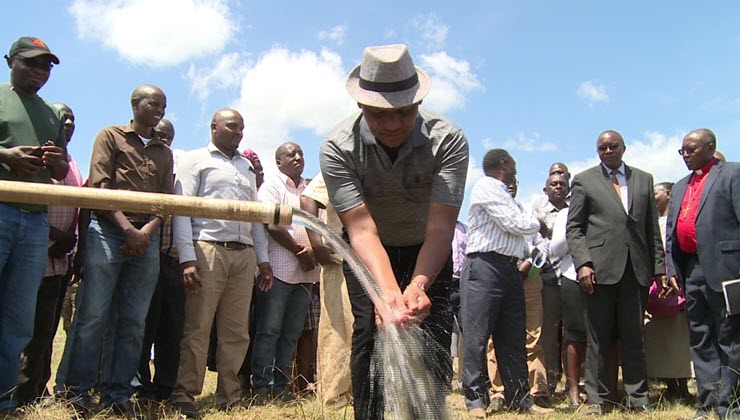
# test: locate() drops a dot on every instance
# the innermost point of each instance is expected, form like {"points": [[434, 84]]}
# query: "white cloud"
{"points": [[593, 92], [227, 73], [452, 80], [654, 153], [287, 90], [156, 33], [529, 144], [522, 143], [336, 34], [432, 31]]}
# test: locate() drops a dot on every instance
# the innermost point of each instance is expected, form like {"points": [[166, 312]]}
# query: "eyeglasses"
{"points": [[687, 150], [610, 147], [35, 63]]}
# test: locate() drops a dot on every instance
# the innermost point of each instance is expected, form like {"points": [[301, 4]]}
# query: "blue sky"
{"points": [[539, 78]]}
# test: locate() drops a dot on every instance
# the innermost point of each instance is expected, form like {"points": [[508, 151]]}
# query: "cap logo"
{"points": [[39, 43]]}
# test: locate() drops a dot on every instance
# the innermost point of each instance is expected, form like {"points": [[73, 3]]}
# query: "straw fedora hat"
{"points": [[387, 78]]}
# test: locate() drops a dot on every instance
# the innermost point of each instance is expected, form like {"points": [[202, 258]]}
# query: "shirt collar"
{"points": [[706, 168], [621, 170], [548, 207], [154, 139], [289, 182], [213, 149]]}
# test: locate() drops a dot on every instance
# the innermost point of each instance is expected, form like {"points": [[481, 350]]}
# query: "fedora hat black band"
{"points": [[399, 86]]}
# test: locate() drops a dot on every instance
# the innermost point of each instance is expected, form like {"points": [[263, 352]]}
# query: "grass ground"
{"points": [[311, 408]]}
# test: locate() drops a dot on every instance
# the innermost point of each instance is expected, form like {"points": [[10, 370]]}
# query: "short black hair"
{"points": [[664, 185], [492, 159]]}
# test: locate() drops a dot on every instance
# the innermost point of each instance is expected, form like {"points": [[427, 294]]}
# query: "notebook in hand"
{"points": [[731, 289]]}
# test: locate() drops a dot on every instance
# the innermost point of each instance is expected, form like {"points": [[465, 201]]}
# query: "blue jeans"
{"points": [[24, 240], [280, 315], [111, 281]]}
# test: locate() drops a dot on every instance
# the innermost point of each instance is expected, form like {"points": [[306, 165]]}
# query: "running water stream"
{"points": [[405, 357]]}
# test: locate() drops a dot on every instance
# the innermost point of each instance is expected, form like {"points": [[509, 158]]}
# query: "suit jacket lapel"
{"points": [[677, 193], [711, 177]]}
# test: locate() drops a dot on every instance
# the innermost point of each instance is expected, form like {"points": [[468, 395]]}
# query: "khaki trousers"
{"points": [[335, 337], [228, 279], [535, 353]]}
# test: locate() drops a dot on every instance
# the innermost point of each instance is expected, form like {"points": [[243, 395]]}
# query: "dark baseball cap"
{"points": [[30, 47]]}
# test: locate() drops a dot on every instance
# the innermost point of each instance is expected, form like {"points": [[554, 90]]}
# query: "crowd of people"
{"points": [[605, 270]]}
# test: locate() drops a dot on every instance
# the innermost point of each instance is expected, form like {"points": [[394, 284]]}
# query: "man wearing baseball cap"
{"points": [[32, 149], [396, 176]]}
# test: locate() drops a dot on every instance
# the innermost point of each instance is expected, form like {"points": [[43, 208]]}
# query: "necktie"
{"points": [[615, 183]]}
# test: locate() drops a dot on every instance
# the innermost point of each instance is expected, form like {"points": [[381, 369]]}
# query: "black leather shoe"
{"points": [[187, 409]]}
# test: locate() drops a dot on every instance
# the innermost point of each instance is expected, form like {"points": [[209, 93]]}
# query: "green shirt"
{"points": [[27, 121]]}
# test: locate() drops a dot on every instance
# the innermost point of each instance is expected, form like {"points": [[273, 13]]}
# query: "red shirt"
{"points": [[686, 224]]}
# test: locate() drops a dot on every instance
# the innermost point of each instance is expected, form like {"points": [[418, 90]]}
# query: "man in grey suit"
{"points": [[614, 238], [703, 250]]}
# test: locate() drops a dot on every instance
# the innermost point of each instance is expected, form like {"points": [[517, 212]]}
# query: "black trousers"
{"points": [[164, 324], [616, 309], [715, 344], [492, 303], [36, 358], [438, 324]]}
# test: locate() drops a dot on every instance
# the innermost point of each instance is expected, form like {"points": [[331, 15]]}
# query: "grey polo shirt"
{"points": [[431, 166]]}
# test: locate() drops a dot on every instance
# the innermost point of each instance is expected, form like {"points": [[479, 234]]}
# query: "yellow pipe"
{"points": [[140, 202]]}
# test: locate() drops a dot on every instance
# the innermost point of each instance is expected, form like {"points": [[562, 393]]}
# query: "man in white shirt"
{"points": [[218, 259], [492, 294]]}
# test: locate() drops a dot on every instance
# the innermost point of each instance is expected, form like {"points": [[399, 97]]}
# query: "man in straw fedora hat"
{"points": [[396, 176]]}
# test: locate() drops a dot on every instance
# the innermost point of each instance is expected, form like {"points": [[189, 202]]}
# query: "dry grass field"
{"points": [[312, 409]]}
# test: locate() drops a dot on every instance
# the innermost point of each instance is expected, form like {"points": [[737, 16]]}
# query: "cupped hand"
{"points": [[587, 279]]}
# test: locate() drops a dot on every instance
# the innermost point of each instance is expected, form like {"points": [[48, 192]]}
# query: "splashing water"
{"points": [[404, 357]]}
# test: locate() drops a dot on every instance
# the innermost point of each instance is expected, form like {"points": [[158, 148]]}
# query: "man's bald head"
{"points": [[227, 129], [68, 119], [283, 148], [556, 189], [610, 147], [166, 131], [224, 113], [148, 103], [559, 168], [143, 91], [698, 147]]}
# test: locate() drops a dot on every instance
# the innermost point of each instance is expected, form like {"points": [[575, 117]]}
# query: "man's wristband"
{"points": [[418, 284]]}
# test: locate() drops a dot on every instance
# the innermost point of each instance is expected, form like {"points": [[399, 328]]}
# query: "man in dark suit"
{"points": [[703, 250], [614, 238]]}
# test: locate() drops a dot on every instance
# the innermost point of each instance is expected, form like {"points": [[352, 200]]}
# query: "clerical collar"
{"points": [[706, 168]]}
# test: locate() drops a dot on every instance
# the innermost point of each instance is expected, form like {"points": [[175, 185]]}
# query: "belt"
{"points": [[508, 259], [231, 246]]}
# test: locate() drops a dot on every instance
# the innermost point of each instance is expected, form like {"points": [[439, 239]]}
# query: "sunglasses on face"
{"points": [[610, 147], [687, 150], [35, 63]]}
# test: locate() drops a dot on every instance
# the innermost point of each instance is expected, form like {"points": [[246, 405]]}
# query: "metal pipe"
{"points": [[141, 202]]}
